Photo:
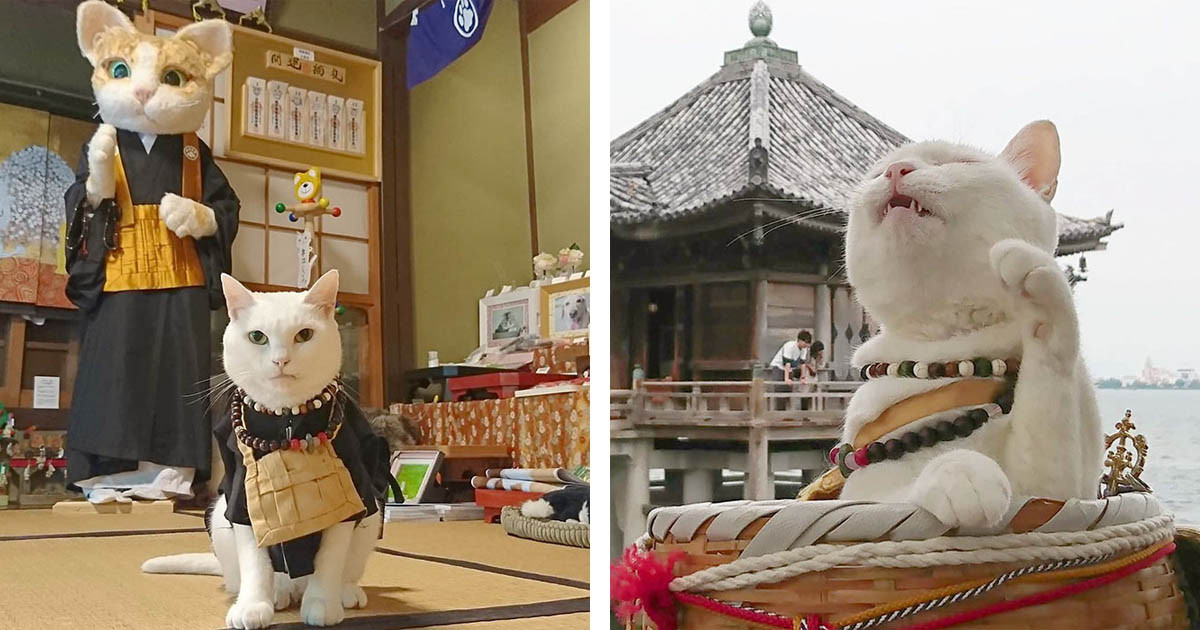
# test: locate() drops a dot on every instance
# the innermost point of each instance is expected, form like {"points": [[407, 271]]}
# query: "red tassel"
{"points": [[641, 582]]}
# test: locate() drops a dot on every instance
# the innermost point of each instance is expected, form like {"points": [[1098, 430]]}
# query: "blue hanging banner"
{"points": [[441, 32]]}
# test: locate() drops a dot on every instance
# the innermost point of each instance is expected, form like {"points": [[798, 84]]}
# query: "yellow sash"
{"points": [[148, 255]]}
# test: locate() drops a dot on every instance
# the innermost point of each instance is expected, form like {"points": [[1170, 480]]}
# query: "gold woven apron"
{"points": [[148, 255], [294, 493]]}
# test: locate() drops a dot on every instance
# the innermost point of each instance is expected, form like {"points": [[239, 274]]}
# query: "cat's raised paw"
{"points": [[1014, 260], [316, 610], [249, 615], [963, 489], [353, 596]]}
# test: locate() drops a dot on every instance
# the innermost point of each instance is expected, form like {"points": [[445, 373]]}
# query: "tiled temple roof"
{"points": [[694, 156]]}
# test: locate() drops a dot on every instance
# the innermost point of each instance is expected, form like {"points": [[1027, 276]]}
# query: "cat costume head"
{"points": [[150, 84]]}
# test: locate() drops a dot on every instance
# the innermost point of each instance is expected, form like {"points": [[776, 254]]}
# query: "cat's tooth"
{"points": [[912, 205]]}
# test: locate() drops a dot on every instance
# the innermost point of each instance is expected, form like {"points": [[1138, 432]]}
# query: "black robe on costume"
{"points": [[144, 355], [364, 454]]}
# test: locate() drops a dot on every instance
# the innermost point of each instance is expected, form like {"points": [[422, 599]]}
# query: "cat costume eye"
{"points": [[173, 77], [118, 69]]}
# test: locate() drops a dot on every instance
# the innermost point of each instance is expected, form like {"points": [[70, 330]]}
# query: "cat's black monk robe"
{"points": [[364, 454], [145, 355]]}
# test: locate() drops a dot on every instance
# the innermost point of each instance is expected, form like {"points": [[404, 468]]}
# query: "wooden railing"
{"points": [[729, 402]]}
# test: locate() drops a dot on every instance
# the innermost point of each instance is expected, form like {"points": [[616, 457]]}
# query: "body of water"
{"points": [[1170, 420]]}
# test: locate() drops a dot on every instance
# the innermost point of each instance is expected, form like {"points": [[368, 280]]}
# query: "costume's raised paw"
{"points": [[101, 157], [963, 489], [249, 615], [318, 609], [353, 596], [1033, 275], [186, 218]]}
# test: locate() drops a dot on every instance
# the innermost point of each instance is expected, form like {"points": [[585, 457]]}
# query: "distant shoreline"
{"points": [[1191, 386]]}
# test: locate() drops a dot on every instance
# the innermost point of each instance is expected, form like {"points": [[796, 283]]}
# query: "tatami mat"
{"points": [[45, 522], [475, 541], [96, 583]]}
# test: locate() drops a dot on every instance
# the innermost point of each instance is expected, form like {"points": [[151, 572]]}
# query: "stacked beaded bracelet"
{"points": [[307, 443], [978, 366], [848, 459]]}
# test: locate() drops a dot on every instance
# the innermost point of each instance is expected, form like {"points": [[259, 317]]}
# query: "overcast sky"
{"points": [[1120, 79]]}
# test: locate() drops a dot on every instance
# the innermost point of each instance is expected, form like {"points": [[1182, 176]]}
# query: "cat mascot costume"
{"points": [[152, 220]]}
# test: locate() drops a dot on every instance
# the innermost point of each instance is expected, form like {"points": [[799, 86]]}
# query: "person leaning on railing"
{"points": [[788, 361]]}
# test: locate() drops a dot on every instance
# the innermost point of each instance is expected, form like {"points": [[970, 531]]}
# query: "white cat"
{"points": [[951, 251], [282, 373]]}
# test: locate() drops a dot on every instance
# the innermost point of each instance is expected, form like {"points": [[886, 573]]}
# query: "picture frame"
{"points": [[507, 315], [566, 308], [413, 472]]}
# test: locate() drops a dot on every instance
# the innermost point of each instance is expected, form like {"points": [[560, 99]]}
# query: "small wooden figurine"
{"points": [[311, 206]]}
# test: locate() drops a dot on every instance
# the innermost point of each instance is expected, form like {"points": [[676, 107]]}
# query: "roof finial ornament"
{"points": [[760, 19]]}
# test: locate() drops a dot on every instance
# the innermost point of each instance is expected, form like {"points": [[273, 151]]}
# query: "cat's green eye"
{"points": [[258, 337], [173, 77], [118, 69], [304, 335]]}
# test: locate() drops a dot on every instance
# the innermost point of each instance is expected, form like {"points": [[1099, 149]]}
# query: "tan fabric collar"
{"points": [[965, 393]]}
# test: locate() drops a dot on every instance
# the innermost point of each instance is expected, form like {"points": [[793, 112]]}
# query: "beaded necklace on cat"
{"points": [[290, 442]]}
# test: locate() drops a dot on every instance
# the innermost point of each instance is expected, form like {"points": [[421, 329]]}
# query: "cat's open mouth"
{"points": [[904, 202]]}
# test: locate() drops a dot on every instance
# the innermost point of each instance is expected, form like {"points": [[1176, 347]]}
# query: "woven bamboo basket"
{"points": [[557, 532], [1150, 598]]}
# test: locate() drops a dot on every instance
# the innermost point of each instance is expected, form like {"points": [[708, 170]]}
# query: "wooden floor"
{"points": [[83, 571]]}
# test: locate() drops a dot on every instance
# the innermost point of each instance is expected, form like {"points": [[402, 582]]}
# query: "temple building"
{"points": [[727, 214]]}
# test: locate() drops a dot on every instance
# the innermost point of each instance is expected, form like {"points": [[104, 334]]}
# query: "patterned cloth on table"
{"points": [[538, 431]]}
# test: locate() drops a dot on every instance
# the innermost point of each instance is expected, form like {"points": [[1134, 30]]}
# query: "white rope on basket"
{"points": [[941, 551]]}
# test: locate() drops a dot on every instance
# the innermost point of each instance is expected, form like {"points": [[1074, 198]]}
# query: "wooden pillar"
{"points": [[637, 491], [759, 483], [700, 485], [395, 218], [697, 328], [639, 337], [823, 315], [677, 366], [619, 369], [760, 322]]}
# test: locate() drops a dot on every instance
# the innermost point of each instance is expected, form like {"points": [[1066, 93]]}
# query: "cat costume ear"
{"points": [[215, 39], [94, 17], [237, 297], [323, 293], [1035, 153]]}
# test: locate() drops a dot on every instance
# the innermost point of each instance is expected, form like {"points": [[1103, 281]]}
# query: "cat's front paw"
{"points": [[319, 609], [187, 218], [248, 615], [353, 596], [283, 591], [963, 489]]}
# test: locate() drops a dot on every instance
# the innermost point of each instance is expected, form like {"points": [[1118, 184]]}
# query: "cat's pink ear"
{"points": [[1035, 153], [213, 37], [323, 293], [237, 297], [93, 18]]}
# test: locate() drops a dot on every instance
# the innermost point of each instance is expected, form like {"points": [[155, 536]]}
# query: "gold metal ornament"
{"points": [[1124, 465], [211, 6], [256, 19]]}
